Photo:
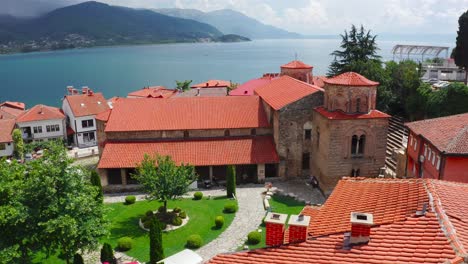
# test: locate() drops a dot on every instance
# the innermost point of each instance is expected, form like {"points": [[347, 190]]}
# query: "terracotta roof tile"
{"points": [[185, 113], [248, 87], [17, 105], [153, 92], [6, 128], [212, 84], [104, 116], [87, 105], [219, 151], [340, 115], [285, 90], [296, 64], [41, 112], [350, 79], [449, 134]]}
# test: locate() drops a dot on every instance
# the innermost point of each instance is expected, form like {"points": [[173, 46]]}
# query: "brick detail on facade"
{"points": [[274, 234], [297, 233]]}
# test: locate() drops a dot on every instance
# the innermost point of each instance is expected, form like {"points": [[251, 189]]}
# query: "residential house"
{"points": [[438, 148], [11, 110], [153, 92], [81, 110], [368, 220], [6, 139], [42, 123]]}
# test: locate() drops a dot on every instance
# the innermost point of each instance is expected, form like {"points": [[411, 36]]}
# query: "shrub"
{"points": [[161, 209], [194, 241], [197, 195], [230, 208], [254, 237], [183, 214], [145, 218], [78, 259], [219, 221], [107, 254], [149, 213], [147, 223], [177, 221], [125, 243], [130, 199]]}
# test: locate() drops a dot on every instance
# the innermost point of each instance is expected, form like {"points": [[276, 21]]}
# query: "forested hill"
{"points": [[94, 23]]}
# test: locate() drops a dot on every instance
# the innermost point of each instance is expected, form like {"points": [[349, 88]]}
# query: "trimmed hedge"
{"points": [[149, 213], [254, 237], [183, 215], [177, 221], [130, 199], [230, 208], [161, 209], [177, 210], [219, 221], [124, 243], [194, 241], [197, 195]]}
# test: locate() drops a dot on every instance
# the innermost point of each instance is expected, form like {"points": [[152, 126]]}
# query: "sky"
{"points": [[326, 16]]}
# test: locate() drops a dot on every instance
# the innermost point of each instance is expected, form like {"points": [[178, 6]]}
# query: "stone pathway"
{"points": [[120, 197], [248, 218], [299, 188]]}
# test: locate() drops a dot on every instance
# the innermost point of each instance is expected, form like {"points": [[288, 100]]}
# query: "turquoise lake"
{"points": [[42, 77]]}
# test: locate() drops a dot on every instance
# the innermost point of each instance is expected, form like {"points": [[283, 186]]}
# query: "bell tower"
{"points": [[298, 70]]}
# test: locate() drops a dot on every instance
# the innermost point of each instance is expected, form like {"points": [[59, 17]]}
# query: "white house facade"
{"points": [[6, 140], [42, 123]]}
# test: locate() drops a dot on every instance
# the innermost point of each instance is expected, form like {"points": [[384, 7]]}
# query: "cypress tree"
{"points": [[78, 259], [460, 53], [107, 254], [96, 181], [156, 244], [231, 181]]}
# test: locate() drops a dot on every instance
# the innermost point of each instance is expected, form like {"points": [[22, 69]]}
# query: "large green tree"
{"points": [[460, 53], [183, 86], [163, 179], [358, 48], [48, 205], [156, 242]]}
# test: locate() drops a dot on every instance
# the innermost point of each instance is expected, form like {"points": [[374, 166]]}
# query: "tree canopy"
{"points": [[460, 53], [183, 86], [163, 179], [48, 205]]}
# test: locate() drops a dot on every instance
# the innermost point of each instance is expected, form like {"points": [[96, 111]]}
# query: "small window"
{"points": [[318, 138], [253, 132], [87, 123], [433, 159], [355, 173], [438, 163], [227, 133], [37, 129], [305, 161], [415, 144], [89, 137], [2, 146], [354, 144], [307, 134], [358, 145], [186, 134], [358, 105]]}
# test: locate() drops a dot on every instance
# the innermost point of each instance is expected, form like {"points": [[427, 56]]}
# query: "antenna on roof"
{"points": [[295, 55]]}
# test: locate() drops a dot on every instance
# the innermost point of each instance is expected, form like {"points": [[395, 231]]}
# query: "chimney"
{"points": [[84, 89], [298, 225], [198, 91], [275, 225], [70, 90], [361, 224]]}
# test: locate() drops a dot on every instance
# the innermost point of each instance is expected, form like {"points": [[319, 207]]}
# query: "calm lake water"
{"points": [[42, 77]]}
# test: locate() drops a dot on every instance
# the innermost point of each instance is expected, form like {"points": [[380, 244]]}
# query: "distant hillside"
{"points": [[231, 22], [92, 24], [29, 8]]}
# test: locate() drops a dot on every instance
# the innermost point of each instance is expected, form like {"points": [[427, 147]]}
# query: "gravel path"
{"points": [[248, 218], [120, 197]]}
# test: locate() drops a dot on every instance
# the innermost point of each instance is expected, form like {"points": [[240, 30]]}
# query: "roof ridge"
{"points": [[306, 83], [437, 118], [444, 221]]}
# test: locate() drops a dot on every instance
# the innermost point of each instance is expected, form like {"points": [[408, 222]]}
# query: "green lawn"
{"points": [[279, 204], [124, 222]]}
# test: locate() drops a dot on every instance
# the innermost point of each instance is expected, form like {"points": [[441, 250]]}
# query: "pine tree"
{"points": [[107, 254], [231, 181], [156, 244], [96, 181], [460, 53]]}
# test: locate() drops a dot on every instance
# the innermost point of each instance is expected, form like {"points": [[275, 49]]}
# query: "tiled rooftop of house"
{"points": [[285, 90], [202, 152], [41, 112], [11, 110], [17, 105], [87, 104], [449, 134], [6, 129], [248, 87], [212, 92], [401, 232], [340, 115], [212, 84], [296, 64], [153, 92], [186, 113], [350, 79]]}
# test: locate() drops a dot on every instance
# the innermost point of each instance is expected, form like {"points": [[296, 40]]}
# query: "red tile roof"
{"points": [[185, 113], [87, 105], [217, 151], [295, 64], [248, 87], [350, 79], [9, 113], [6, 128], [212, 84], [397, 236], [340, 115], [17, 105], [104, 116], [449, 134], [153, 92], [319, 81], [285, 90], [41, 112]]}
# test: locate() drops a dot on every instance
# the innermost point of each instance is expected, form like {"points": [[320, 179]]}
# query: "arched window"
{"points": [[358, 105], [354, 145], [362, 144], [358, 145], [227, 133]]}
